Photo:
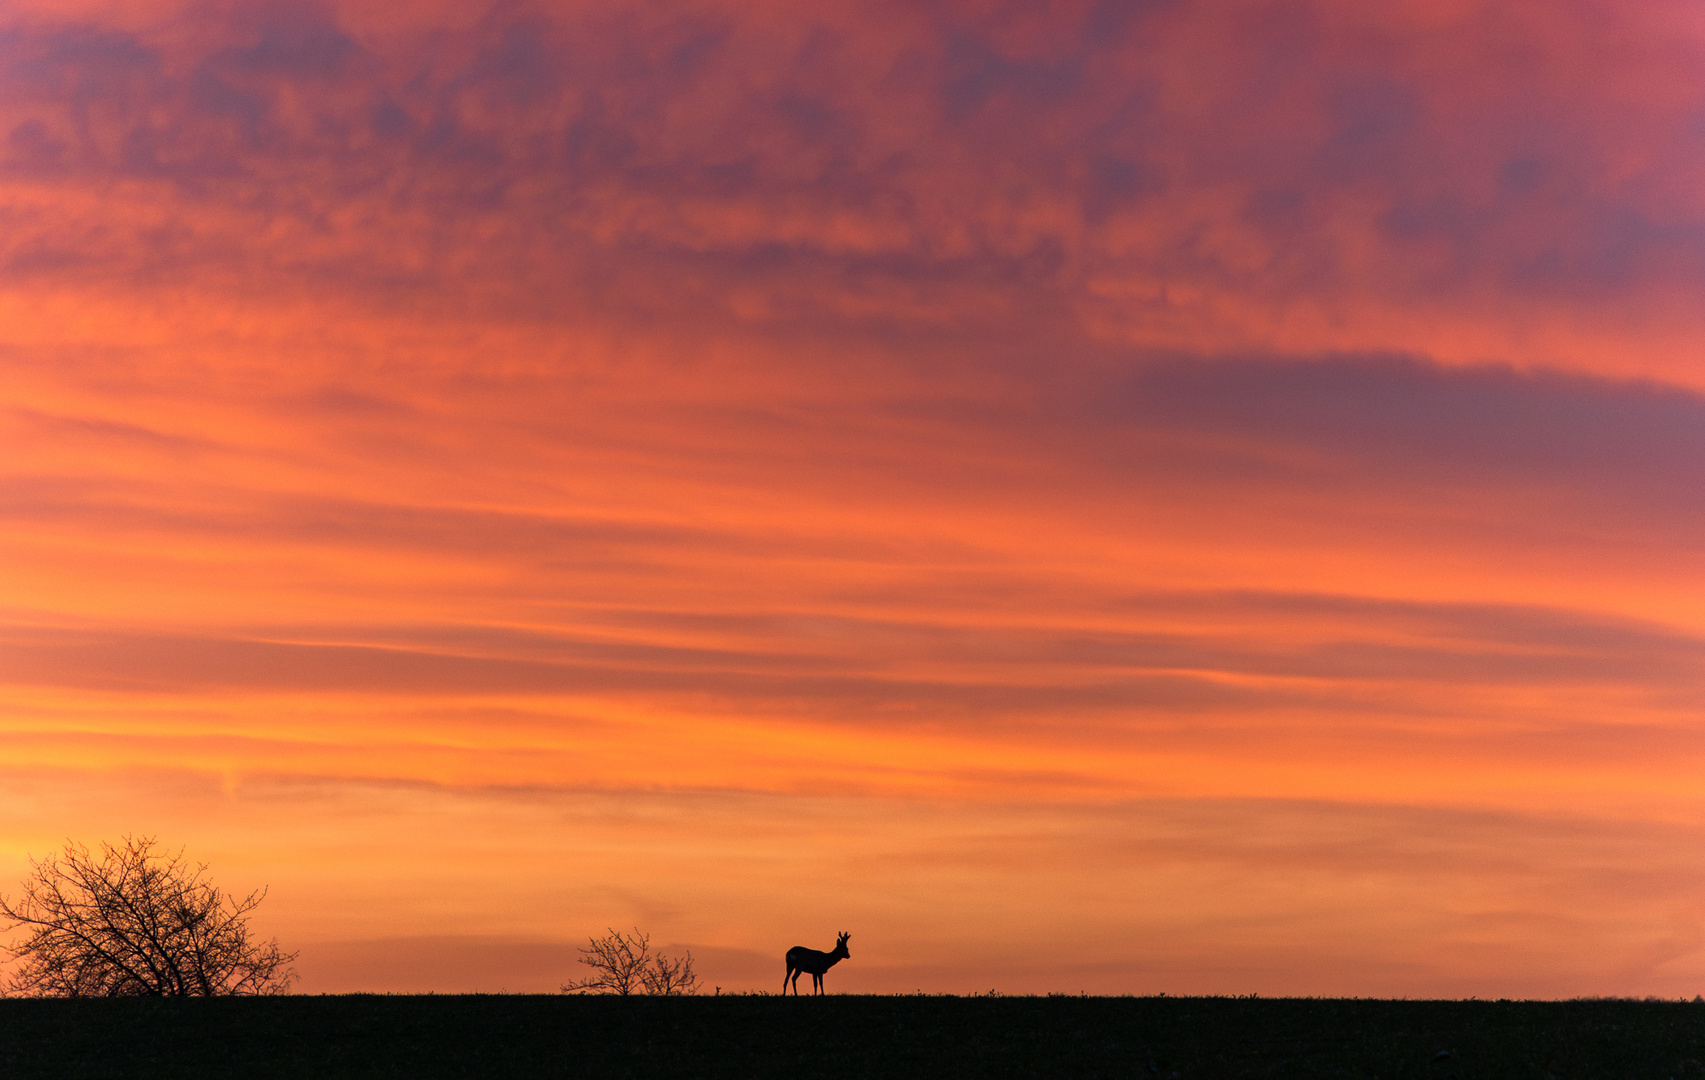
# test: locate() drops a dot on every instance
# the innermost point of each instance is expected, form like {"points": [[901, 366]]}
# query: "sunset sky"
{"points": [[1187, 496]]}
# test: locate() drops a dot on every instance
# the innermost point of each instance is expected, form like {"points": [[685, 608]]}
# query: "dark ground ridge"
{"points": [[848, 1036]]}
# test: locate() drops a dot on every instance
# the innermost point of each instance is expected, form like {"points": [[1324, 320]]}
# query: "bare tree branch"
{"points": [[624, 964], [668, 977], [136, 922]]}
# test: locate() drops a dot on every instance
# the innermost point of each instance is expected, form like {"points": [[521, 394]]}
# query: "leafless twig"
{"points": [[624, 964], [136, 922]]}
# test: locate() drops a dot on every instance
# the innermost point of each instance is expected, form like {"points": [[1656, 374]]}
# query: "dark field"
{"points": [[500, 1036]]}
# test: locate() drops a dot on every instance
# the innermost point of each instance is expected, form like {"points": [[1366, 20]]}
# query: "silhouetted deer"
{"points": [[799, 959]]}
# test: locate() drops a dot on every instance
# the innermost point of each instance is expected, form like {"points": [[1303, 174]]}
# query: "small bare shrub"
{"points": [[624, 964]]}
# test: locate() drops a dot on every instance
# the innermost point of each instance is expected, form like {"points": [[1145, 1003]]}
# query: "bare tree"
{"points": [[624, 964], [136, 922]]}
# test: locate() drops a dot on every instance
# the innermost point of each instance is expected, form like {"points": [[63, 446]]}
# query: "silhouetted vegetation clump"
{"points": [[136, 922], [623, 964]]}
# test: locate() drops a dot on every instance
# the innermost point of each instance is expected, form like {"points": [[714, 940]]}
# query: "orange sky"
{"points": [[1181, 496]]}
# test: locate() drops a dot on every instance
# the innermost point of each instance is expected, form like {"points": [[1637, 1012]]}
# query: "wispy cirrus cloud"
{"points": [[1175, 896]]}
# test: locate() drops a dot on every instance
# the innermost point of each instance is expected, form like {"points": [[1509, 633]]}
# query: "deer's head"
{"points": [[841, 945]]}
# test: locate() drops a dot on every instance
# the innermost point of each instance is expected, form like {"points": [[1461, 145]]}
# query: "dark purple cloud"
{"points": [[1019, 157]]}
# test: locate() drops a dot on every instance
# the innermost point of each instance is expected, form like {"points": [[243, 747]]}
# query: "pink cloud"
{"points": [[933, 164], [1288, 409]]}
